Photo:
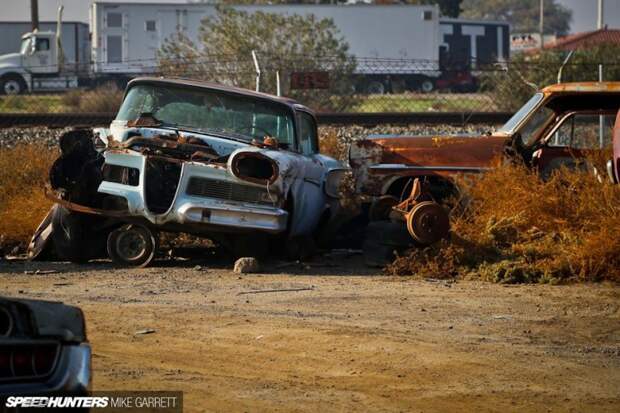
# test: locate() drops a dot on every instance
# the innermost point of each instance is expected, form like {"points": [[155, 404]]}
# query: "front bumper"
{"points": [[192, 209]]}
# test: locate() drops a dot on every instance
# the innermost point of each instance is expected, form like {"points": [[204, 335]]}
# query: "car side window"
{"points": [[308, 140], [581, 131]]}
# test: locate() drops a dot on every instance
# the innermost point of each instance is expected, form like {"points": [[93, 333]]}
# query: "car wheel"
{"points": [[382, 240], [428, 222], [73, 236], [12, 85], [132, 245]]}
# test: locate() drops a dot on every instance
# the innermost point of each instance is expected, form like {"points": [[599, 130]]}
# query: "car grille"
{"points": [[161, 180], [27, 361], [211, 188]]}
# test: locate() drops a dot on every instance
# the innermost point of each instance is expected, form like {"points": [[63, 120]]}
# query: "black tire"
{"points": [[132, 245], [250, 245], [74, 236], [300, 248], [382, 240], [12, 85], [427, 86]]}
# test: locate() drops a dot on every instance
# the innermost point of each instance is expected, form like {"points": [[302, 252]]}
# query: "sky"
{"points": [[584, 11]]}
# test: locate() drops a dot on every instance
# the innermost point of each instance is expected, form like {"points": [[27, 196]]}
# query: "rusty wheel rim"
{"points": [[428, 222]]}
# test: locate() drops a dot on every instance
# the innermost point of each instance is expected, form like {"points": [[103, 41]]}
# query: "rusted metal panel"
{"points": [[581, 87], [377, 161]]}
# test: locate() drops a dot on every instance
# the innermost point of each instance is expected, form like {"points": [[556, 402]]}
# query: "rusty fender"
{"points": [[379, 161]]}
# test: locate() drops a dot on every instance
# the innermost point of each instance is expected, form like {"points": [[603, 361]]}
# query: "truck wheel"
{"points": [[12, 85], [427, 86], [375, 88], [132, 245]]}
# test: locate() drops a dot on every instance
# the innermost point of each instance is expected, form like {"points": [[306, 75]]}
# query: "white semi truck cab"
{"points": [[39, 65]]}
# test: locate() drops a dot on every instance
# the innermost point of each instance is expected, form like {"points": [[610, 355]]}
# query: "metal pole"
{"points": [[34, 14], [541, 23], [257, 67], [601, 119]]}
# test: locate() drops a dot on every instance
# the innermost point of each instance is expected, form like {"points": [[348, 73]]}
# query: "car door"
{"points": [[575, 137], [308, 195]]}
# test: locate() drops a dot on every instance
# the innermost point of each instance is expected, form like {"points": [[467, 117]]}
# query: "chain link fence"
{"points": [[327, 84]]}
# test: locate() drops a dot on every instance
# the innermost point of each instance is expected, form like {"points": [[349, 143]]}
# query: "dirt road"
{"points": [[355, 341]]}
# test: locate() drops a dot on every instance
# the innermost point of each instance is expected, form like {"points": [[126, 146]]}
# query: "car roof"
{"points": [[293, 104], [583, 87]]}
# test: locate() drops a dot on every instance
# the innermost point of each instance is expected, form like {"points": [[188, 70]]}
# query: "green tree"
{"points": [[283, 43], [523, 15]]}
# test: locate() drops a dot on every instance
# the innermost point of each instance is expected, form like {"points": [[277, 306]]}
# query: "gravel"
{"points": [[10, 137]]}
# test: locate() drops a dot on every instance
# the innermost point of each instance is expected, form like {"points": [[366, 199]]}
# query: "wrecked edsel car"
{"points": [[242, 168], [558, 126], [43, 349]]}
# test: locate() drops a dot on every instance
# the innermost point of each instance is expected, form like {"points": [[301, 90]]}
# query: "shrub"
{"points": [[103, 99], [23, 175], [517, 228]]}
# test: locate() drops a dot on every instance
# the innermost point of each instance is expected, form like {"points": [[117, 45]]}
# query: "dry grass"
{"points": [[23, 175], [103, 99], [517, 228]]}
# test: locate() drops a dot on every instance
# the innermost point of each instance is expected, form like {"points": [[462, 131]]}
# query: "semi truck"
{"points": [[397, 47]]}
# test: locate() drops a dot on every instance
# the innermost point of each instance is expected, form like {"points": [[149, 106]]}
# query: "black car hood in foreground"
{"points": [[22, 318]]}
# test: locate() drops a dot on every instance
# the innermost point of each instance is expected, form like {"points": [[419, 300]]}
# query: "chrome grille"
{"points": [[211, 188]]}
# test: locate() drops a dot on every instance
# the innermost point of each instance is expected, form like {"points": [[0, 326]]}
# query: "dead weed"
{"points": [[518, 228], [23, 175]]}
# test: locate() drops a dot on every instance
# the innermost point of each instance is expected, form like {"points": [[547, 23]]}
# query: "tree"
{"points": [[283, 43], [523, 15]]}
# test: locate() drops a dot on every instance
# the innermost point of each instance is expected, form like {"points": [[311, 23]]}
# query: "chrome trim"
{"points": [[390, 166], [611, 171]]}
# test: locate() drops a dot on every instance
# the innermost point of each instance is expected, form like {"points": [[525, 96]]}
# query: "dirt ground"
{"points": [[351, 340]]}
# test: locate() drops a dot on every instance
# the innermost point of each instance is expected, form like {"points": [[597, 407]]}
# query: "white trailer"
{"points": [[126, 36], [397, 47]]}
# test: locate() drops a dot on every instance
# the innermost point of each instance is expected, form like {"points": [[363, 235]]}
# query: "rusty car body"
{"points": [[187, 156], [557, 126]]}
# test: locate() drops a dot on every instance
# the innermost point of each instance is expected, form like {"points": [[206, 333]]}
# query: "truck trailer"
{"points": [[397, 47]]}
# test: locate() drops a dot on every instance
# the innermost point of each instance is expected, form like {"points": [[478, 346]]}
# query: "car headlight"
{"points": [[332, 182]]}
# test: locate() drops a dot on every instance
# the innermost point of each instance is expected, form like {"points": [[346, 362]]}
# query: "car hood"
{"points": [[10, 60], [434, 151], [221, 144]]}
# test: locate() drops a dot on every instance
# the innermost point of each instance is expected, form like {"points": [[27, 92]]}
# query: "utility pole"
{"points": [[601, 121], [34, 14], [541, 23]]}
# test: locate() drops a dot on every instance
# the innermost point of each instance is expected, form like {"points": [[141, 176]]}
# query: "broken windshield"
{"points": [[209, 110]]}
